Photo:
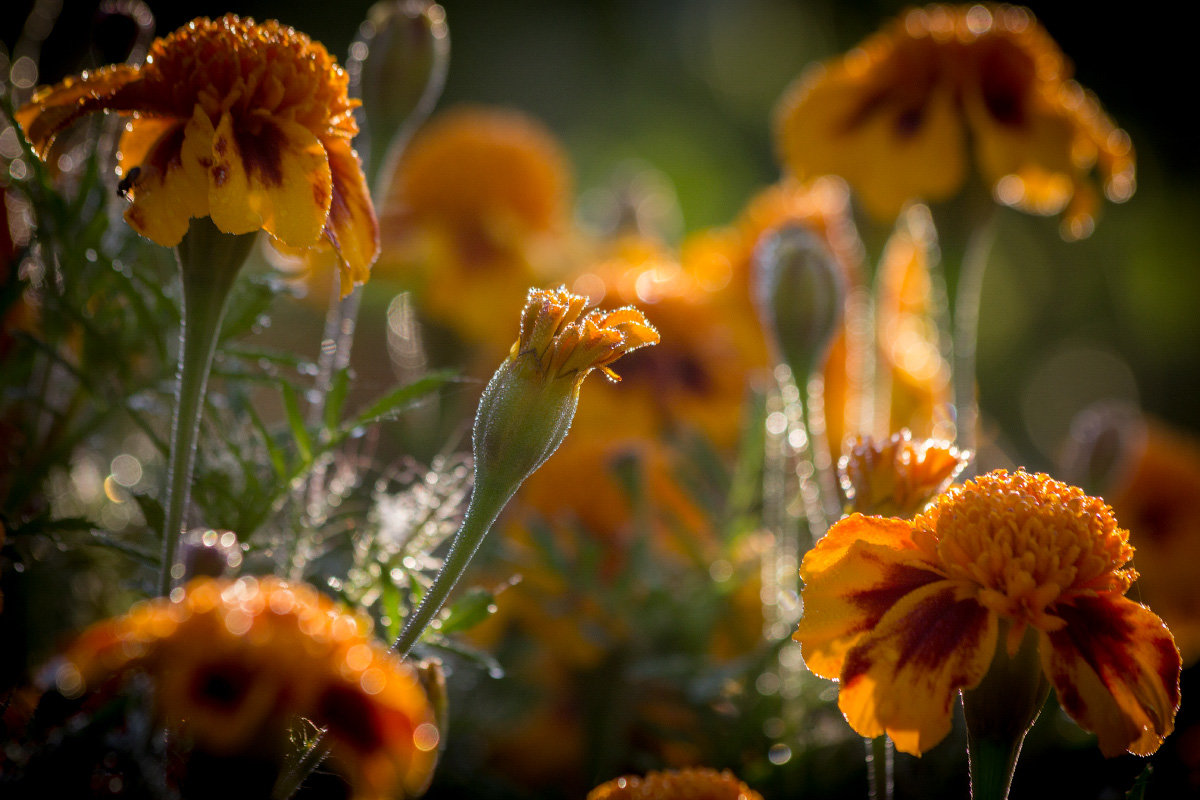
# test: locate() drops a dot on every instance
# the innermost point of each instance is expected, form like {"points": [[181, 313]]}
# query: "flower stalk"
{"points": [[209, 263]]}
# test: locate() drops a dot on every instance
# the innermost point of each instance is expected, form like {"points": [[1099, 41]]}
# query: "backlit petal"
{"points": [[351, 227], [853, 577], [54, 108], [1116, 670], [904, 676], [275, 177], [171, 184], [888, 153]]}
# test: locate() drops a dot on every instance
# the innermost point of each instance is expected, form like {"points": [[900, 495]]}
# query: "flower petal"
{"points": [[54, 108], [903, 677], [351, 228], [853, 577], [170, 185], [272, 174], [1116, 670], [835, 123]]}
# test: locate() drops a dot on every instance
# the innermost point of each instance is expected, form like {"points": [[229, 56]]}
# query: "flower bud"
{"points": [[800, 292], [397, 68], [897, 477], [527, 407]]}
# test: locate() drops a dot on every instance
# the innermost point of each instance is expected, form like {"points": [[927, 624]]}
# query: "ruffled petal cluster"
{"points": [[898, 115], [249, 124], [694, 783], [905, 614], [897, 476], [234, 663]]}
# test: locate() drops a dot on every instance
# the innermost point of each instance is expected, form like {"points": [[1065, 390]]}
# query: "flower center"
{"points": [[1022, 543]]}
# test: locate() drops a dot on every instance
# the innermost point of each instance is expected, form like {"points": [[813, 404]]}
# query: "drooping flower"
{"points": [[897, 477], [896, 116], [234, 663], [248, 124], [905, 614], [695, 783], [479, 209]]}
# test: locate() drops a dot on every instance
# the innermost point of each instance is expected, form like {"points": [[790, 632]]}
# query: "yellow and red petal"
{"points": [[53, 108], [903, 677], [1116, 669], [846, 596], [271, 174], [170, 186], [351, 228]]}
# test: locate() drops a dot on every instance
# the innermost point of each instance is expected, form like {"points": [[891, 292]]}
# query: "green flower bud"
{"points": [[527, 407], [800, 293]]}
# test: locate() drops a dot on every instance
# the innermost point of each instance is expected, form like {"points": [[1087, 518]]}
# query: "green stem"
{"points": [[968, 296], [487, 501], [991, 763], [209, 262], [881, 760]]}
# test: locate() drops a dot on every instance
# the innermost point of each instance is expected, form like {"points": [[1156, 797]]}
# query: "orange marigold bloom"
{"points": [[897, 477], [908, 613], [896, 115], [696, 783], [478, 209], [233, 663], [249, 124]]}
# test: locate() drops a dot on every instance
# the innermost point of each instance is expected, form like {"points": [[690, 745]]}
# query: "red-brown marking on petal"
{"points": [[900, 580], [220, 174], [938, 626], [260, 151], [350, 717], [222, 685], [1006, 74], [1107, 642]]}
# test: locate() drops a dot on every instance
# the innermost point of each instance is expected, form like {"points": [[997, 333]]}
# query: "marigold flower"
{"points": [[233, 663], [696, 783], [249, 124], [907, 613], [479, 205], [896, 114], [897, 477], [527, 407]]}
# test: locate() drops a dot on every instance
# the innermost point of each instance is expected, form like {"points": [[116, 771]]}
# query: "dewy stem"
{"points": [[209, 263], [881, 760], [487, 501], [968, 296]]}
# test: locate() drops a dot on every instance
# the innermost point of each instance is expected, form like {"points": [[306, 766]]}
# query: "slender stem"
{"points": [[881, 761], [209, 262], [966, 334], [487, 501]]}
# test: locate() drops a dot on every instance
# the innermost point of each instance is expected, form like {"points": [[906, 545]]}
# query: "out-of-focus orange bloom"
{"points": [[908, 613], [479, 210], [696, 783], [897, 477], [912, 367], [896, 115], [249, 124], [1155, 488], [233, 663]]}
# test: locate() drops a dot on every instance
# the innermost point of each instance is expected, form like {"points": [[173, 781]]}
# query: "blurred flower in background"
{"points": [[684, 784], [896, 115]]}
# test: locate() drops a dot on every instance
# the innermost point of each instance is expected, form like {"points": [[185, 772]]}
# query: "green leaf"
{"points": [[336, 398], [399, 400], [291, 404], [278, 460], [468, 611]]}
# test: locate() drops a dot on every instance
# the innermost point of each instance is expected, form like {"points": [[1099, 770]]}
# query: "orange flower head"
{"points": [[908, 613], [895, 117], [233, 663], [479, 210], [249, 124], [529, 404], [695, 783], [897, 476]]}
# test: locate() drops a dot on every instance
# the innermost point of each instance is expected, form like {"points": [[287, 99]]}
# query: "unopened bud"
{"points": [[397, 67], [800, 292]]}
